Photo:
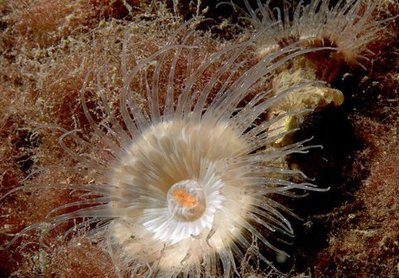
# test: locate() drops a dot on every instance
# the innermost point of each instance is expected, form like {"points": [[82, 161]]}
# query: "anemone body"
{"points": [[184, 169]]}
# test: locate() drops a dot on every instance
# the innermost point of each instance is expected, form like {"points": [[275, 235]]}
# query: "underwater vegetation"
{"points": [[142, 147]]}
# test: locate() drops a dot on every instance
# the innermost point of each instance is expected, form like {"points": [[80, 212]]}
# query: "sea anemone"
{"points": [[184, 178], [349, 25]]}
